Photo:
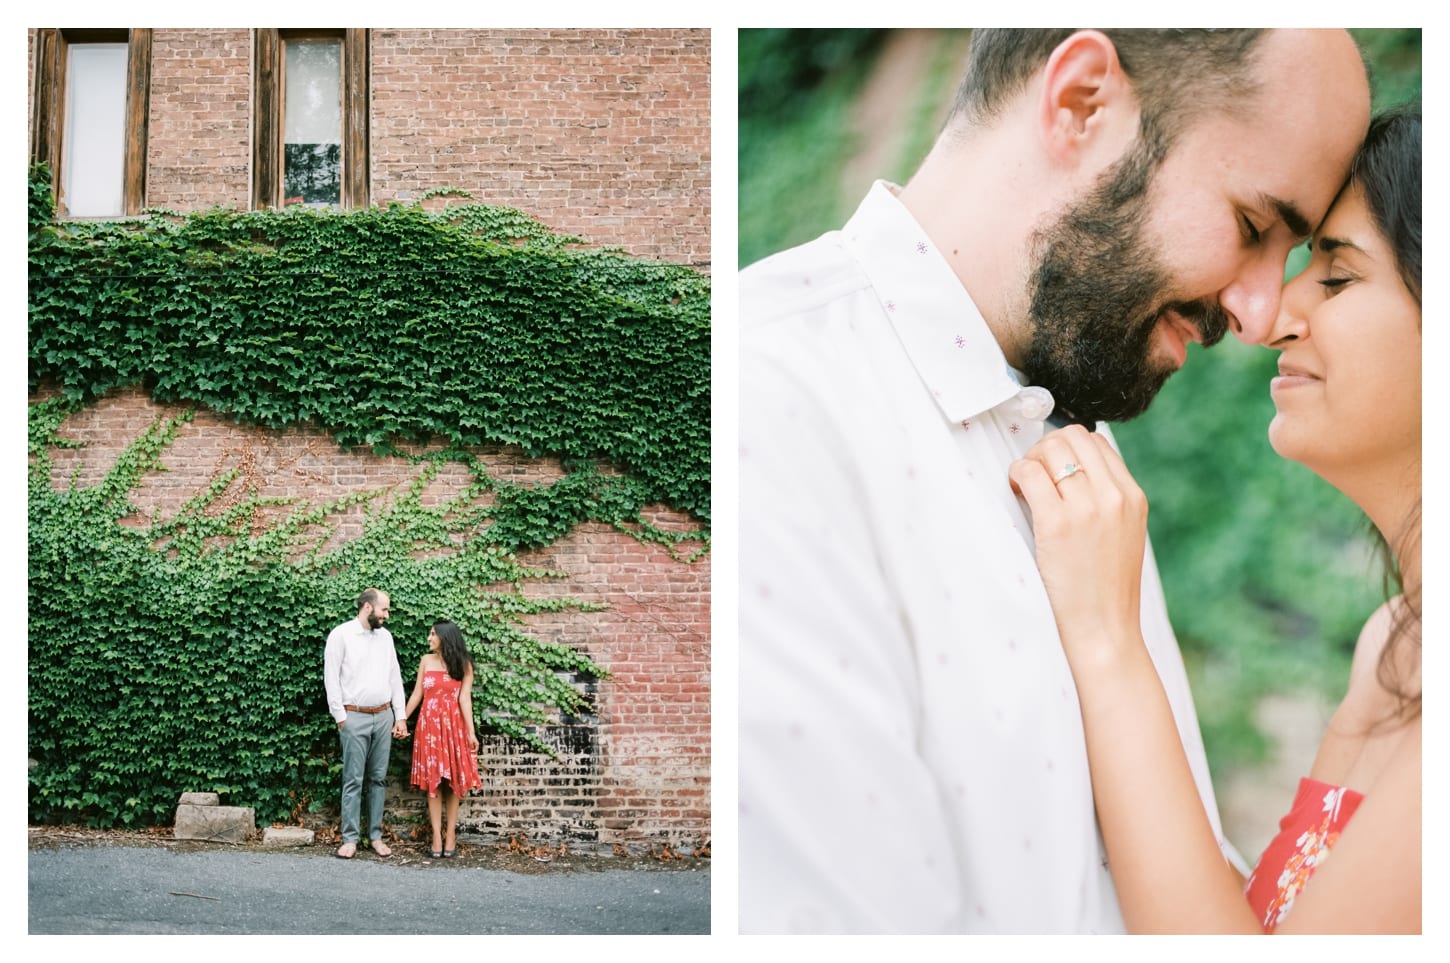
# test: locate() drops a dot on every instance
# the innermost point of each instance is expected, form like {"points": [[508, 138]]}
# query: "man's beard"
{"points": [[1096, 300], [374, 621]]}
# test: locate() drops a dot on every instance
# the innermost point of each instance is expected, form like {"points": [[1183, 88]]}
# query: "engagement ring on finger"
{"points": [[1067, 471]]}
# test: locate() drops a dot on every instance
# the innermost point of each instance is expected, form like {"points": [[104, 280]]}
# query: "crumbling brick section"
{"points": [[636, 771]]}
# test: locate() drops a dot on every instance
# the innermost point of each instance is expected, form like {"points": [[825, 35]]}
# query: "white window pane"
{"points": [[312, 132], [314, 92], [93, 168]]}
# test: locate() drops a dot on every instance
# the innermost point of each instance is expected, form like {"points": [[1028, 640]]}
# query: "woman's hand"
{"points": [[1089, 519]]}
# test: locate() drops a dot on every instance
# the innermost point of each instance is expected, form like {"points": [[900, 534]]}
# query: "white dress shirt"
{"points": [[911, 750], [360, 668]]}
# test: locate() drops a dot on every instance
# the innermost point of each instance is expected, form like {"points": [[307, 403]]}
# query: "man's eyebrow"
{"points": [[1288, 212]]}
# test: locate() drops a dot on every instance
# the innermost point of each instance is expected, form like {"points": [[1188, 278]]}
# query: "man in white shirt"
{"points": [[365, 696], [911, 751]]}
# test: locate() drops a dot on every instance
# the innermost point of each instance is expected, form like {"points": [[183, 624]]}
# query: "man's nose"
{"points": [[1252, 299]]}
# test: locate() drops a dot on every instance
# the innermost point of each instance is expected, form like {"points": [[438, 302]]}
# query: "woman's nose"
{"points": [[1290, 322]]}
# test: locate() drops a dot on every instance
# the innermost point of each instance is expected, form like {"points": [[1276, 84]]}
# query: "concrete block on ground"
{"points": [[215, 824], [199, 799], [287, 836]]}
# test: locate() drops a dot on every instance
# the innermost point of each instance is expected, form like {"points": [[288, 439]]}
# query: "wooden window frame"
{"points": [[48, 120], [270, 114]]}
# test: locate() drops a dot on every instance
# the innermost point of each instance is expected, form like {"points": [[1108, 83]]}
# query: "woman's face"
{"points": [[1348, 391], [432, 640]]}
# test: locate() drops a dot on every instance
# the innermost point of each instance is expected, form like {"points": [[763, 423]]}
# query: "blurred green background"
{"points": [[1269, 572]]}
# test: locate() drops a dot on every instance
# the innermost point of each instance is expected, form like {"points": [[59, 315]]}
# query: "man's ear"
{"points": [[1088, 105]]}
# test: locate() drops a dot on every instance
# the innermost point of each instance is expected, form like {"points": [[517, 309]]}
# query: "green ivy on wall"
{"points": [[184, 653], [474, 324]]}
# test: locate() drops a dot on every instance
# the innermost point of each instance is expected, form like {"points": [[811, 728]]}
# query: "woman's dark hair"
{"points": [[453, 649], [1405, 618], [1387, 172]]}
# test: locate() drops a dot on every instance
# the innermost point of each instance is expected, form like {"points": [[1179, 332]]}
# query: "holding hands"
{"points": [[1089, 518]]}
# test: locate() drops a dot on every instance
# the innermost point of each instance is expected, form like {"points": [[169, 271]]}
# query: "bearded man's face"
{"points": [[1097, 294]]}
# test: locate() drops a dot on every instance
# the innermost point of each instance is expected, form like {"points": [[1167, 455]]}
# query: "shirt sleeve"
{"points": [[395, 682], [842, 822], [332, 676]]}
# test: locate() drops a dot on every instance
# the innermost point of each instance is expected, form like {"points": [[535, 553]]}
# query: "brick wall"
{"points": [[600, 133], [638, 771], [199, 148]]}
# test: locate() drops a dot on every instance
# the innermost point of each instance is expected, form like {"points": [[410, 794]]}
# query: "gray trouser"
{"points": [[366, 740]]}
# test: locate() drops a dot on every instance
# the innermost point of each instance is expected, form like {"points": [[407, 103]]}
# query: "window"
{"points": [[311, 118], [312, 122], [89, 120]]}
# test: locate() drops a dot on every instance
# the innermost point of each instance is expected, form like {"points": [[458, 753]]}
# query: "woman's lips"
{"points": [[1290, 377]]}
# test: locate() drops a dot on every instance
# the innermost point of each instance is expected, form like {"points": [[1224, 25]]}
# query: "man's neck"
{"points": [[980, 198], [961, 216]]}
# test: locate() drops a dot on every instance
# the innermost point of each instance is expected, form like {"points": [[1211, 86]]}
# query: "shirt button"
{"points": [[1035, 403]]}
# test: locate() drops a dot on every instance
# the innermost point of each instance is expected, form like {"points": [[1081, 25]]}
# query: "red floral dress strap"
{"points": [[1313, 824]]}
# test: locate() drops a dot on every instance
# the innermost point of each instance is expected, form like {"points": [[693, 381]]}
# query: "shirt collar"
{"points": [[948, 342]]}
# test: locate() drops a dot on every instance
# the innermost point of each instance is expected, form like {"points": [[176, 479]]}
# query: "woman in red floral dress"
{"points": [[1348, 406], [445, 746]]}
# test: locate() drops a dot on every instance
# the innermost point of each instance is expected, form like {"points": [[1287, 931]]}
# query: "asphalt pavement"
{"points": [[216, 890]]}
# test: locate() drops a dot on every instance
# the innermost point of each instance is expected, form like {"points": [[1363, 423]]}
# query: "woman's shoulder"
{"points": [[430, 662], [1367, 696], [1370, 645]]}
